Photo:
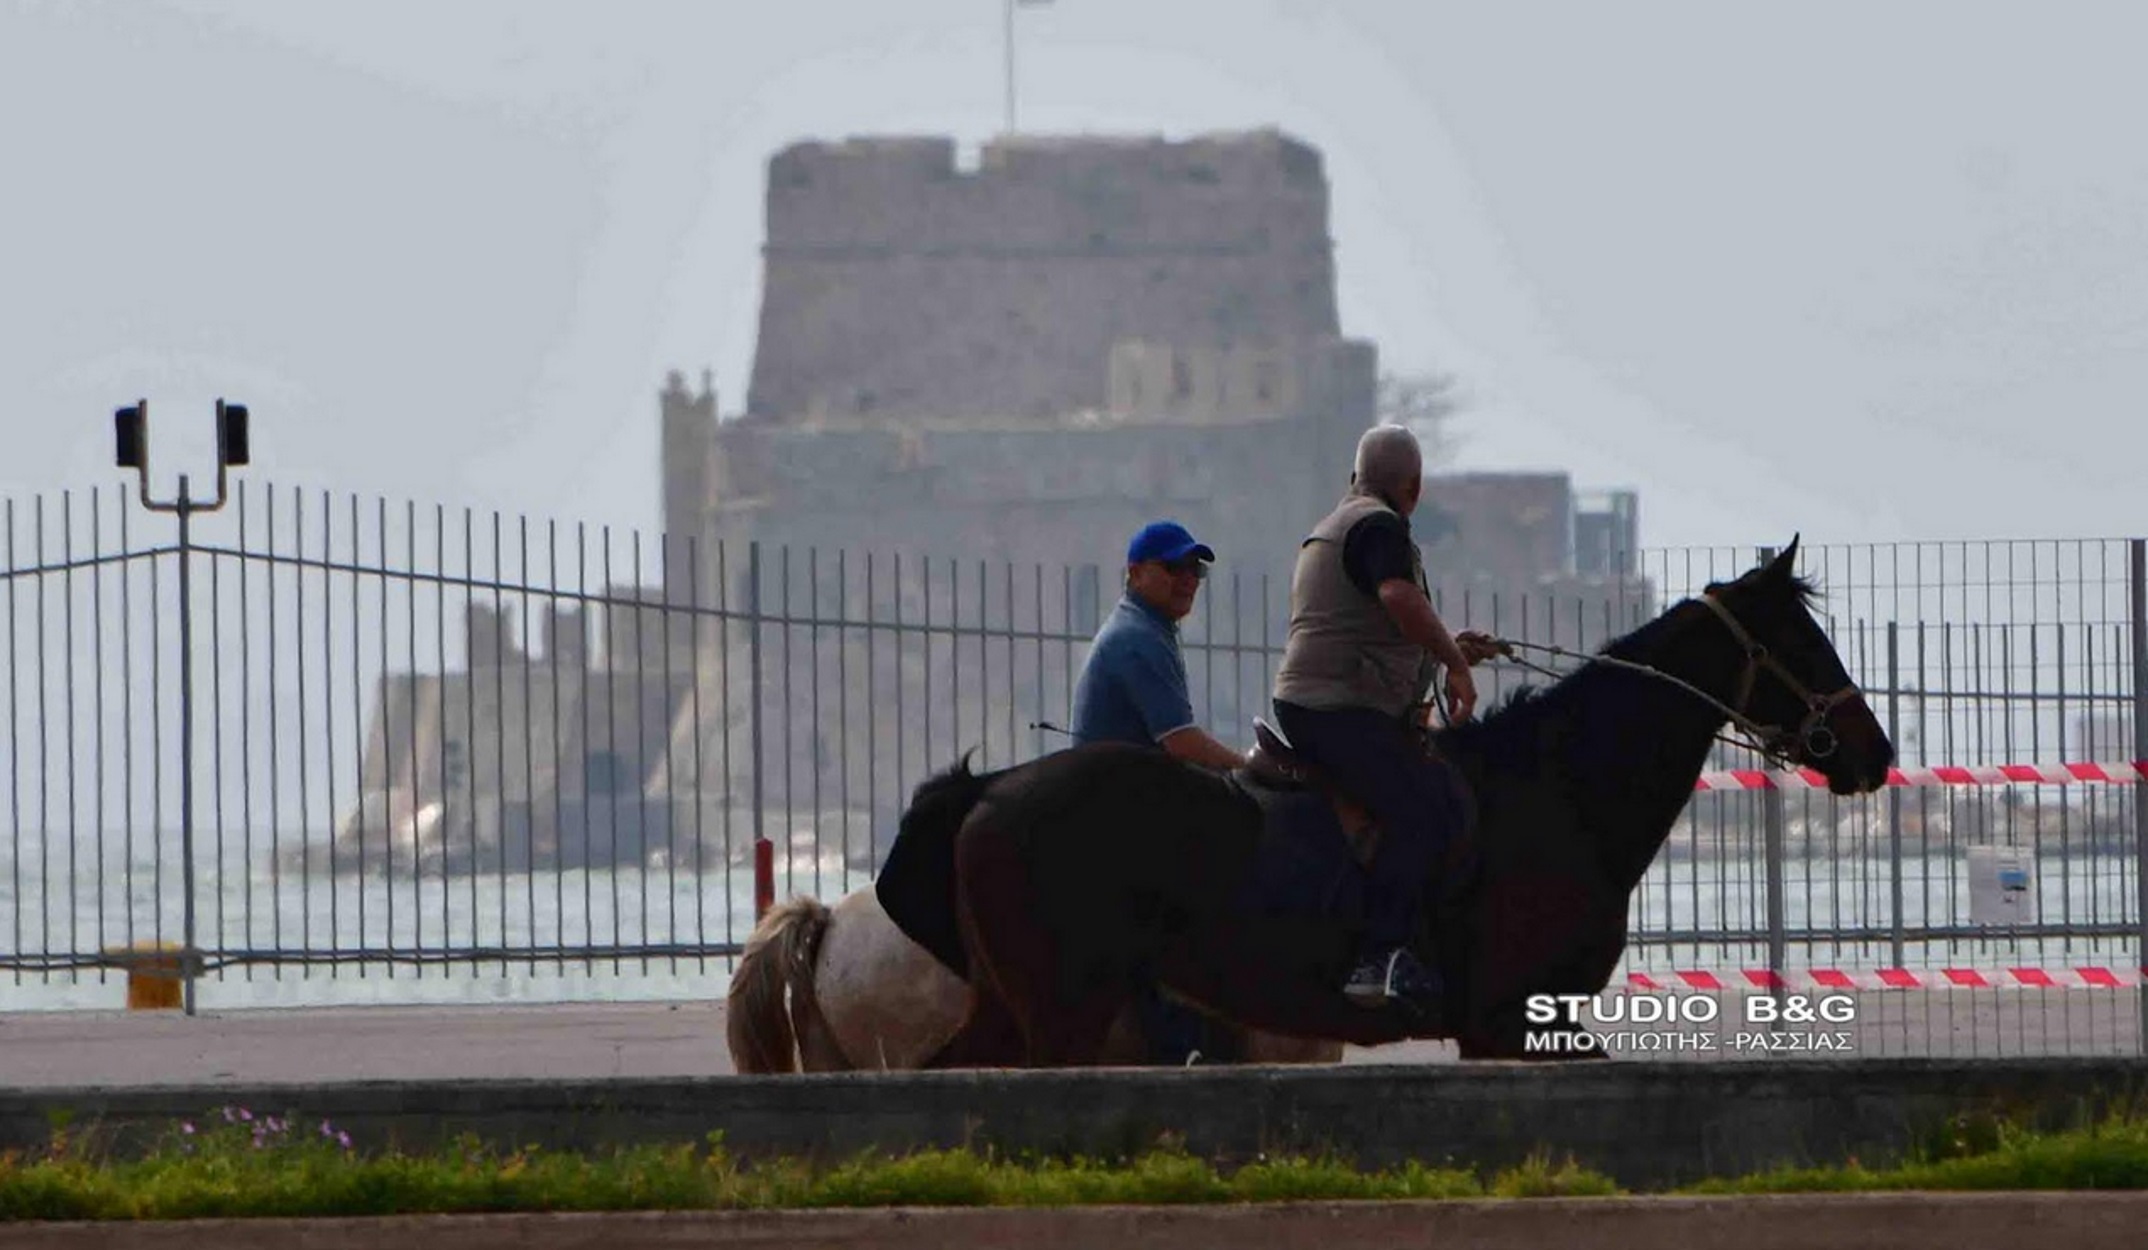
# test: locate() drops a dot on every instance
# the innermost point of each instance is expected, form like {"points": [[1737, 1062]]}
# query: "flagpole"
{"points": [[1008, 34]]}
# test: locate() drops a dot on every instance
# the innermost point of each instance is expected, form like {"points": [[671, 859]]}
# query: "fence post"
{"points": [[191, 954], [763, 851], [2137, 621], [1894, 793], [1772, 805]]}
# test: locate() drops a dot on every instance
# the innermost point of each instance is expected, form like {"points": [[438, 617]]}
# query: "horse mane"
{"points": [[1509, 731], [946, 796], [954, 775]]}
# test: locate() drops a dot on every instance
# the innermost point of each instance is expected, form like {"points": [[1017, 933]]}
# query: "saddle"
{"points": [[1275, 765]]}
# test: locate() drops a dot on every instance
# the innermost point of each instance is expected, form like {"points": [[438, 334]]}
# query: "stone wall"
{"points": [[898, 285]]}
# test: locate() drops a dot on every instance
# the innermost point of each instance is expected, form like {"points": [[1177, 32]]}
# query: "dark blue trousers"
{"points": [[1417, 800]]}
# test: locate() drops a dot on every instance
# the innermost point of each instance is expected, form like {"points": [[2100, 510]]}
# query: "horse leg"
{"points": [[989, 1037], [1259, 978], [1063, 995], [1528, 948]]}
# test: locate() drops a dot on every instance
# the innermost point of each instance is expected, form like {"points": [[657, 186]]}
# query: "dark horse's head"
{"points": [[1788, 680]]}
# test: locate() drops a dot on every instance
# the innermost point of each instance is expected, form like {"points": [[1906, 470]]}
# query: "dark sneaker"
{"points": [[1392, 975]]}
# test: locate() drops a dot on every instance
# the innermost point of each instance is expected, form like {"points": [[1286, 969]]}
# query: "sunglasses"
{"points": [[1181, 568]]}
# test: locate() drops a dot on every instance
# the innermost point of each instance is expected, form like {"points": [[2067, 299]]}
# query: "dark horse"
{"points": [[1079, 873]]}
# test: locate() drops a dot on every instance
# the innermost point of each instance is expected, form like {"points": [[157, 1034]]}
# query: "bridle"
{"points": [[1775, 741], [1778, 743]]}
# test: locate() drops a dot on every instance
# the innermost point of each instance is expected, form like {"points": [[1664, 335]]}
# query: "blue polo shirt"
{"points": [[1133, 686]]}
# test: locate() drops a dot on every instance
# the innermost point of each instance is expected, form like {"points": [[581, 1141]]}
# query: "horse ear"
{"points": [[1786, 563]]}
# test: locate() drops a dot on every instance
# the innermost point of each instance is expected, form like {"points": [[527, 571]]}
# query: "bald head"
{"points": [[1389, 465]]}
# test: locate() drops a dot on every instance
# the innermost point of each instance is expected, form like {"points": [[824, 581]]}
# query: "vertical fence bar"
{"points": [[1894, 794], [447, 776], [925, 634], [383, 709], [672, 788], [872, 716], [902, 679], [813, 736], [552, 647], [2137, 614], [97, 668], [275, 753], [1773, 801], [67, 636], [789, 731], [842, 701], [471, 761], [763, 854], [693, 672], [156, 754], [723, 701], [358, 733], [529, 749], [417, 856], [216, 730], [14, 753], [1014, 744], [328, 728], [190, 954], [640, 609], [1043, 715]]}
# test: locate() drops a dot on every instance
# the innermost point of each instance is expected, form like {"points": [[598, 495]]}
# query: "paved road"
{"points": [[599, 1040], [583, 1041], [2085, 1221]]}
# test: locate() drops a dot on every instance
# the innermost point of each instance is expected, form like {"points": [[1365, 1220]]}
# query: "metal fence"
{"points": [[335, 741]]}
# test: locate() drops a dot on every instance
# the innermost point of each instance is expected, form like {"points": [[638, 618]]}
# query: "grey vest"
{"points": [[1343, 651]]}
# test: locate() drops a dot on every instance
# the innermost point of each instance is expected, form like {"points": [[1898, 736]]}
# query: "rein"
{"points": [[1774, 742]]}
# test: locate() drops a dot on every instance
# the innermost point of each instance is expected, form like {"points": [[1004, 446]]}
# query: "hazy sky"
{"points": [[1870, 271]]}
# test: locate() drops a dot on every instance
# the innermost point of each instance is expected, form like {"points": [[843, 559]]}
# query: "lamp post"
{"points": [[1007, 46], [131, 451]]}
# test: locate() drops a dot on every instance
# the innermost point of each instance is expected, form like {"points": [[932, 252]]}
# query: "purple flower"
{"points": [[187, 1128], [244, 1114], [327, 1130], [344, 1140], [230, 1116]]}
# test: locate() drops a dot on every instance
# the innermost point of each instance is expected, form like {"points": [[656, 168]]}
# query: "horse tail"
{"points": [[773, 1007], [941, 802], [916, 884]]}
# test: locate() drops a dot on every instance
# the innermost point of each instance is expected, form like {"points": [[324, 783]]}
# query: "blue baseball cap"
{"points": [[1167, 541]]}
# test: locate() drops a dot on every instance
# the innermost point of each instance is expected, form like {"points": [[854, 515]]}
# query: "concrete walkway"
{"points": [[2001, 1221], [571, 1041], [600, 1040]]}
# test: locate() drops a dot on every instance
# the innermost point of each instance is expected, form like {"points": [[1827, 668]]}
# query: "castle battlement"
{"points": [[899, 285]]}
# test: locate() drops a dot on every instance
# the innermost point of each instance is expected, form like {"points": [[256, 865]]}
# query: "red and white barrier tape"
{"points": [[1982, 775], [1825, 980]]}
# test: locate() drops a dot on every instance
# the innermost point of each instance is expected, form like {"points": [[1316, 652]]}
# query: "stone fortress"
{"points": [[1012, 364], [1027, 360]]}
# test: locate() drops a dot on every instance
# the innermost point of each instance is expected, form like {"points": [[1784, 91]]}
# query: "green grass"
{"points": [[2111, 1155], [233, 1164], [258, 1166]]}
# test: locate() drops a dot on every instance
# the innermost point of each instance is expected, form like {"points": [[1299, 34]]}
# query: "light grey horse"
{"points": [[835, 989]]}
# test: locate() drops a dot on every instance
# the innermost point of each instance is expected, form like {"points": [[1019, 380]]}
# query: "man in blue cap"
{"points": [[1133, 686], [1133, 689]]}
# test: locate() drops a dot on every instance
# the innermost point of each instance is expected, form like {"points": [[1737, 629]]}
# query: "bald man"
{"points": [[1363, 649]]}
